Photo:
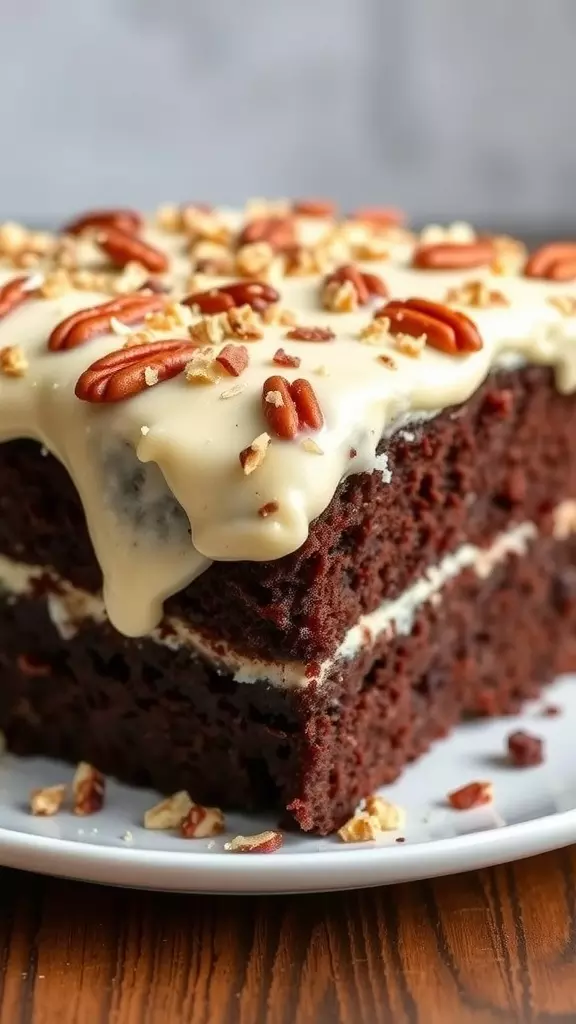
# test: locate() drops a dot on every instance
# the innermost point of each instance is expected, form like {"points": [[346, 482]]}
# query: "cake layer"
{"points": [[152, 715], [468, 475]]}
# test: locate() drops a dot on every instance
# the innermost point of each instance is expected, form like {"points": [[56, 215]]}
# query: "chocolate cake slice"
{"points": [[283, 496]]}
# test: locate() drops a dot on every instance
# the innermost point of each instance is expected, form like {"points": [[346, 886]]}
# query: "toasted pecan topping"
{"points": [[234, 359], [311, 334], [202, 822], [314, 208], [254, 259], [264, 842], [278, 232], [129, 371], [253, 456], [268, 509], [476, 295], [388, 815], [13, 361], [289, 408], [379, 216], [445, 329], [88, 786], [475, 794], [361, 828], [14, 293], [95, 321], [524, 749], [122, 248], [47, 801], [453, 255], [129, 221], [257, 294], [553, 262], [282, 358], [364, 285], [243, 322], [169, 813]]}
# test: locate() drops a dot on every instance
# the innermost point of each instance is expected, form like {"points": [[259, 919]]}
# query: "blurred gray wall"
{"points": [[447, 107]]}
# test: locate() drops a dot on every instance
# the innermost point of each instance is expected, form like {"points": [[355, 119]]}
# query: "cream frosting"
{"points": [[69, 607], [159, 475]]}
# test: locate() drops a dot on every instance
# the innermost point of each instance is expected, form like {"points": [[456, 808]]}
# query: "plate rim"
{"points": [[355, 866]]}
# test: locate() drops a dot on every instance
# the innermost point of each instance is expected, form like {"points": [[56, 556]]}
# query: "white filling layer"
{"points": [[71, 605]]}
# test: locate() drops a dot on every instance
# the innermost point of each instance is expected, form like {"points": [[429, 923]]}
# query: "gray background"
{"points": [[446, 107]]}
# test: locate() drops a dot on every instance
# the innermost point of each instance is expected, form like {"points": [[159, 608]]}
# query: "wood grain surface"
{"points": [[492, 946]]}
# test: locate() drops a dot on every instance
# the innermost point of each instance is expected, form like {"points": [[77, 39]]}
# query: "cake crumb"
{"points": [[127, 836], [551, 710], [475, 794], [524, 749]]}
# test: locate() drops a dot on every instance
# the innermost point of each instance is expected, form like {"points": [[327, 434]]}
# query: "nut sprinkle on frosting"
{"points": [[239, 392]]}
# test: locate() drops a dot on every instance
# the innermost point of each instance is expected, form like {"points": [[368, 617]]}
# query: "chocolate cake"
{"points": [[283, 495]]}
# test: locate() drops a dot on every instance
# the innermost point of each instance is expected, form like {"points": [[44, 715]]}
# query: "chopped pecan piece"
{"points": [[282, 358], [88, 786], [477, 295], [253, 456], [13, 361], [361, 828], [445, 329], [268, 509], [389, 816], [524, 749], [264, 842], [311, 334], [202, 822], [47, 801], [126, 372], [234, 359], [169, 813], [475, 794]]}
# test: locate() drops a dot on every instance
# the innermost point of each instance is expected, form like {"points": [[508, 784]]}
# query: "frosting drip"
{"points": [[159, 475]]}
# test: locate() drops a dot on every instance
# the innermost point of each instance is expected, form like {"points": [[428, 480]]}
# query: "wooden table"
{"points": [[493, 946]]}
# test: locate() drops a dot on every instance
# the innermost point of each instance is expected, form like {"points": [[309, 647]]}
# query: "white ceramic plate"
{"points": [[534, 810]]}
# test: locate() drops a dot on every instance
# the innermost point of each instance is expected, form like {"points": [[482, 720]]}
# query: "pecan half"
{"points": [[289, 408], [311, 334], [14, 293], [88, 787], [314, 208], [256, 294], [129, 371], [365, 285], [202, 822], [453, 255], [127, 220], [445, 329], [123, 248], [553, 262], [379, 216], [279, 232], [95, 321]]}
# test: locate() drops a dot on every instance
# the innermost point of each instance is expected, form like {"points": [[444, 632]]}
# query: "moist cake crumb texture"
{"points": [[284, 494]]}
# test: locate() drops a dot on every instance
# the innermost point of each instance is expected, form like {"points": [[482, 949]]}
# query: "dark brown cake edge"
{"points": [[152, 716]]}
